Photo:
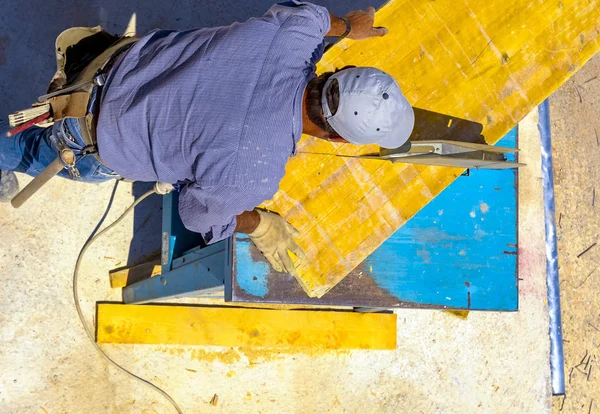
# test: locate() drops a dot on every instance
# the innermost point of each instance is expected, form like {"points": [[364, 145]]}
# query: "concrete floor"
{"points": [[575, 112], [490, 362]]}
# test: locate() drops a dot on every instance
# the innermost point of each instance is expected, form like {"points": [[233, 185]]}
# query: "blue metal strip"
{"points": [[201, 276], [168, 239], [228, 277], [198, 253], [557, 363]]}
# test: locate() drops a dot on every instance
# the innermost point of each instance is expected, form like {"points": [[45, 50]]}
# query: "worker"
{"points": [[218, 112]]}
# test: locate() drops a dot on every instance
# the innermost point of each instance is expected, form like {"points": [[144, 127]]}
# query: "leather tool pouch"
{"points": [[75, 49], [81, 54]]}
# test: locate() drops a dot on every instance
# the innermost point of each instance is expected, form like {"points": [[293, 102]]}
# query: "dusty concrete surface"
{"points": [[490, 362], [575, 112]]}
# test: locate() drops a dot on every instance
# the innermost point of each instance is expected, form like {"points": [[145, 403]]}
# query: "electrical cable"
{"points": [[93, 237]]}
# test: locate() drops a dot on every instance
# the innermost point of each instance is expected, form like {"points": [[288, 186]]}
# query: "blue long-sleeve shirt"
{"points": [[218, 109]]}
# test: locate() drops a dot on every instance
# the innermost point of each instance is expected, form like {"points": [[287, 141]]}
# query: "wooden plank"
{"points": [[488, 62], [188, 325], [126, 276]]}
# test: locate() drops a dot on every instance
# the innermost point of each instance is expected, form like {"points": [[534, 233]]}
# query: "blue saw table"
{"points": [[459, 251]]}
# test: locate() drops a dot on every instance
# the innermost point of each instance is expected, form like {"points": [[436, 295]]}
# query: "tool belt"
{"points": [[82, 67], [84, 56]]}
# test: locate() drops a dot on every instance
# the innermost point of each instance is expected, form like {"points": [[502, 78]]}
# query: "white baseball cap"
{"points": [[371, 110]]}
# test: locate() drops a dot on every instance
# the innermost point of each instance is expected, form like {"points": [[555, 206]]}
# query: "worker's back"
{"points": [[180, 105]]}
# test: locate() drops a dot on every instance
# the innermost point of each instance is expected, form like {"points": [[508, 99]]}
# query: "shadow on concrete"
{"points": [[147, 221]]}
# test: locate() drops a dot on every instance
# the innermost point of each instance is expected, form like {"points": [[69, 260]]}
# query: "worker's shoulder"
{"points": [[280, 21]]}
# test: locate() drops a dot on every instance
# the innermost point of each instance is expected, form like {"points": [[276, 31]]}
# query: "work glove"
{"points": [[273, 237]]}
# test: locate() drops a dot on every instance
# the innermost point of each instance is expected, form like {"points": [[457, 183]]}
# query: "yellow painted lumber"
{"points": [[190, 325], [124, 277], [486, 61]]}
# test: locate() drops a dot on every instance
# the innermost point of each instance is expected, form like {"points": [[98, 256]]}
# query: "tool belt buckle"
{"points": [[68, 159], [66, 155]]}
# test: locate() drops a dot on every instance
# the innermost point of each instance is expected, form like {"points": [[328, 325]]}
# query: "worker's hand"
{"points": [[273, 237], [361, 24]]}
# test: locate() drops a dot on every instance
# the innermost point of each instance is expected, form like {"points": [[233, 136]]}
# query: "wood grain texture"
{"points": [[126, 276], [189, 325], [488, 62]]}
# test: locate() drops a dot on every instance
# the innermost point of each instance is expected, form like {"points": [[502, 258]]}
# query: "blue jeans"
{"points": [[31, 151]]}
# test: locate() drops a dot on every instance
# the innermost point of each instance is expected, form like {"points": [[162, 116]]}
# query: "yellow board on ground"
{"points": [[490, 62], [193, 325]]}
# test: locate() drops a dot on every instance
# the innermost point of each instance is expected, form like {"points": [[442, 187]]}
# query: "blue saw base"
{"points": [[459, 251]]}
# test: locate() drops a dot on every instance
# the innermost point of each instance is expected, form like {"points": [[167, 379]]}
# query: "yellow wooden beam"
{"points": [[126, 276], [490, 62], [189, 325]]}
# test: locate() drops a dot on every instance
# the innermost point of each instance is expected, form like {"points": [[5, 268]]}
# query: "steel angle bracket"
{"points": [[449, 154]]}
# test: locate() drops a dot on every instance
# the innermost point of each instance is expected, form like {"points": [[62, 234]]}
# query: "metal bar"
{"points": [[228, 270], [458, 162], [557, 365], [64, 90], [362, 309], [478, 147], [167, 237], [195, 278], [453, 146], [198, 253], [25, 194]]}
